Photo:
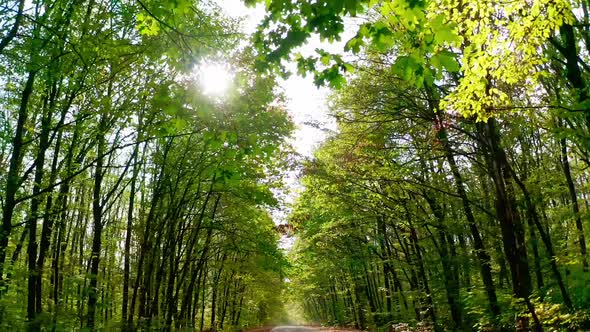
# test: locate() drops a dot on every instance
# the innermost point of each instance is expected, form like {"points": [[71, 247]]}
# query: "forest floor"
{"points": [[401, 327]]}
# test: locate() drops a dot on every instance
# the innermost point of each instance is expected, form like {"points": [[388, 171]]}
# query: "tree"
{"points": [[124, 183]]}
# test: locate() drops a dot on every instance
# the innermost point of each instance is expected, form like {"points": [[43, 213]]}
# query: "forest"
{"points": [[451, 195]]}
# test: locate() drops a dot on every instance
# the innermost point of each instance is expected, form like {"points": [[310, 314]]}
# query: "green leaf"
{"points": [[448, 61], [407, 68], [446, 34]]}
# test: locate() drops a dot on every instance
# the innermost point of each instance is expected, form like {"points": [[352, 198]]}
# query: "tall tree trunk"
{"points": [[33, 297], [128, 230], [575, 206], [214, 289], [48, 219], [97, 213], [536, 258], [13, 180], [382, 231], [507, 213], [419, 262], [532, 213], [451, 283]]}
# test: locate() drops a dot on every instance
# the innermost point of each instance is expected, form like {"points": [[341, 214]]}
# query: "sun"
{"points": [[215, 79]]}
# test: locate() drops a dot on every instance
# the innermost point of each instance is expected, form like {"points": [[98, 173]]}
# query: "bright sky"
{"points": [[215, 78], [305, 102]]}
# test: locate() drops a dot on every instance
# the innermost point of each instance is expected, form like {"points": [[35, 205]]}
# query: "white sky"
{"points": [[305, 102]]}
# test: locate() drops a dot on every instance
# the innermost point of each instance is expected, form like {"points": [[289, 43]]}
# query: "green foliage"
{"points": [[383, 229], [453, 194], [131, 194], [494, 45]]}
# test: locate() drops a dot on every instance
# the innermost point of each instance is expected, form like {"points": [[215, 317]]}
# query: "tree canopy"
{"points": [[130, 198], [453, 194]]}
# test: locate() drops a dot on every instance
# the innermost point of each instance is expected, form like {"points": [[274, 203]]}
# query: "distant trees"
{"points": [[401, 216], [451, 192], [129, 198]]}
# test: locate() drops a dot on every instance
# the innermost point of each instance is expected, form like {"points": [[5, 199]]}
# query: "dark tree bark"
{"points": [[128, 230], [97, 214], [507, 212], [513, 238], [574, 200], [14, 29], [32, 249], [13, 180]]}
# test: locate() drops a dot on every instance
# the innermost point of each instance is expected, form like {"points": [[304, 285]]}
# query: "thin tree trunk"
{"points": [[575, 206], [33, 297], [13, 180], [97, 211], [127, 252]]}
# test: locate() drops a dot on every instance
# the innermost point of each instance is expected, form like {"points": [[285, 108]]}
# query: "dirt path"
{"points": [[299, 329]]}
